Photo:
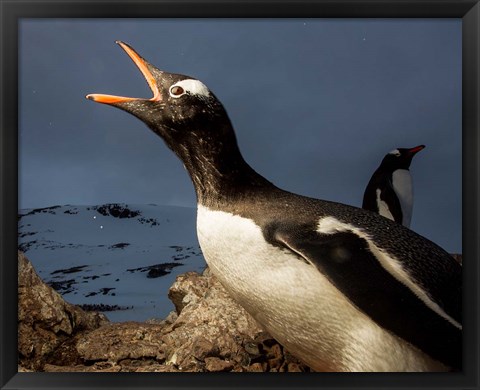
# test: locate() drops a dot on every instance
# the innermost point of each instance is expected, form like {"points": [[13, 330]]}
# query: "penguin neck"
{"points": [[216, 166]]}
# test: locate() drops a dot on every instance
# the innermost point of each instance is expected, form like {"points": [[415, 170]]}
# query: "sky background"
{"points": [[316, 104]]}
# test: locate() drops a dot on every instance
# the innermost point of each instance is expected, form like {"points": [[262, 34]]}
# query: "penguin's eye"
{"points": [[176, 91]]}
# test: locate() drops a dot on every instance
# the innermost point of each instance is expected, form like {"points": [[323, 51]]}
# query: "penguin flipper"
{"points": [[347, 260], [389, 197], [381, 190], [369, 196]]}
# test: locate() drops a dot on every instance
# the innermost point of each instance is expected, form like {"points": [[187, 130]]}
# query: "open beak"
{"points": [[144, 68], [416, 149]]}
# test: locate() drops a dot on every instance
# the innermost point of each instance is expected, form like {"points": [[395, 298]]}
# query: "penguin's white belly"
{"points": [[297, 304], [402, 185]]}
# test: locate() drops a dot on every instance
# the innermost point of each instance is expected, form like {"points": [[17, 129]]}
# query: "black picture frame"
{"points": [[12, 11]]}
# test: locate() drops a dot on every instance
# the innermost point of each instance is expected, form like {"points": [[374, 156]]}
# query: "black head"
{"points": [[191, 121], [400, 158], [179, 104]]}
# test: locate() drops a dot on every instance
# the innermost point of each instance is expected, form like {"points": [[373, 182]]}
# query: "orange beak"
{"points": [[142, 65]]}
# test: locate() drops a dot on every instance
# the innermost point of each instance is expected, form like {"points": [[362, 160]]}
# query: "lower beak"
{"points": [[144, 68]]}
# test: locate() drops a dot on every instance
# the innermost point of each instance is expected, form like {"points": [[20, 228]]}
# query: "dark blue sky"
{"points": [[315, 103]]}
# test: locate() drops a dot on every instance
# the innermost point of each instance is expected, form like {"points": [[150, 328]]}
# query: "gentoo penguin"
{"points": [[342, 288], [389, 191]]}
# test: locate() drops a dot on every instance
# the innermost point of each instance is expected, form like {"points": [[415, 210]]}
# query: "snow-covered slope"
{"points": [[113, 254]]}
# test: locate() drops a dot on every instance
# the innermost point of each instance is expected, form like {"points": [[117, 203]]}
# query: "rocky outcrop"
{"points": [[45, 321], [208, 332]]}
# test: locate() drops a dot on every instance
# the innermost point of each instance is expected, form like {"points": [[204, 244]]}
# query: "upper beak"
{"points": [[144, 68], [416, 149]]}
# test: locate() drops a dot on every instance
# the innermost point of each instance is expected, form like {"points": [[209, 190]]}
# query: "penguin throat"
{"points": [[216, 167]]}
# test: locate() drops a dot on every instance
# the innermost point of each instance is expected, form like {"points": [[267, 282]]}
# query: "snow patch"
{"points": [[130, 263]]}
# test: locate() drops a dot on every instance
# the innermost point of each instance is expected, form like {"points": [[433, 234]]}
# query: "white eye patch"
{"points": [[193, 87], [395, 152]]}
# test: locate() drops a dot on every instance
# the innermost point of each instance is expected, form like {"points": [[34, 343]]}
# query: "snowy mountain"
{"points": [[112, 256]]}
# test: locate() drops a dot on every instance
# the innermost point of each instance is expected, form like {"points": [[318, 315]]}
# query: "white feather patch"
{"points": [[395, 152], [330, 225], [193, 87]]}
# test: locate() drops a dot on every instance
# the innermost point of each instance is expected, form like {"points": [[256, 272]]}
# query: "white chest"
{"points": [[295, 302], [254, 272], [402, 185]]}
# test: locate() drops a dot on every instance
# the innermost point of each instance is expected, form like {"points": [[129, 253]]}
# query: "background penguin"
{"points": [[341, 288], [389, 191]]}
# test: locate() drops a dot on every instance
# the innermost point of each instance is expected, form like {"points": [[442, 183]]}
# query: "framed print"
{"points": [[254, 255]]}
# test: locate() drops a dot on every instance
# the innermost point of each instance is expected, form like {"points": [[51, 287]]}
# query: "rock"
{"points": [[209, 323], [46, 321], [208, 332], [256, 367], [215, 364], [118, 341], [187, 289], [294, 367], [81, 368], [202, 348], [23, 369]]}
